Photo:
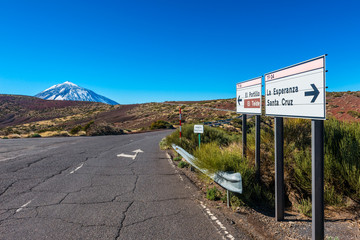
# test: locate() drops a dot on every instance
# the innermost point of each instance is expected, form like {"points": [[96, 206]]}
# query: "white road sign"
{"points": [[297, 91], [198, 128], [248, 96]]}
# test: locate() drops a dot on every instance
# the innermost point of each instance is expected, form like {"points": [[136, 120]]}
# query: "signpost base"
{"points": [[257, 146], [279, 169], [317, 152]]}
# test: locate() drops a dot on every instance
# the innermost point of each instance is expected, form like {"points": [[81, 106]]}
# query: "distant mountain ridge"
{"points": [[72, 92]]}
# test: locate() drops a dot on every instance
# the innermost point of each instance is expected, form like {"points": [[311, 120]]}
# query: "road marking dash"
{"points": [[225, 234], [77, 168], [23, 206]]}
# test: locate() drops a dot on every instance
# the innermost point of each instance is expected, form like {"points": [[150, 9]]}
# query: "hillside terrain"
{"points": [[23, 116]]}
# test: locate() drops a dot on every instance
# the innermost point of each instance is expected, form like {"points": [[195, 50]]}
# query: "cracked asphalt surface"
{"points": [[77, 188]]}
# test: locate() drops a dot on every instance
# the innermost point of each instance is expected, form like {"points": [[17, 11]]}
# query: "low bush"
{"points": [[342, 154], [213, 194], [305, 207], [215, 159], [163, 145], [75, 130], [35, 135], [87, 126], [100, 129], [160, 124], [61, 134], [354, 114], [183, 164]]}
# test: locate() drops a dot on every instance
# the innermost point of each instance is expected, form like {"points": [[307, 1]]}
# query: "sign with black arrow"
{"points": [[248, 94], [314, 93], [297, 91]]}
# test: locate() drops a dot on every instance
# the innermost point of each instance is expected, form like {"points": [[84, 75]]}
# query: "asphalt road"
{"points": [[78, 188]]}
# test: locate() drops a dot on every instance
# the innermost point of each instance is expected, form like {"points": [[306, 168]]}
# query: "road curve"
{"points": [[78, 188]]}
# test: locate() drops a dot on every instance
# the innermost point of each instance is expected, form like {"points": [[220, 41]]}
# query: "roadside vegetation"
{"points": [[222, 151]]}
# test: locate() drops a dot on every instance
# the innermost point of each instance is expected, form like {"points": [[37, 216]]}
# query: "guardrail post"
{"points": [[317, 148], [279, 169], [257, 146], [244, 135], [227, 198]]}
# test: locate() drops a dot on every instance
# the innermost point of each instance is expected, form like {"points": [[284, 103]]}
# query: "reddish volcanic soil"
{"points": [[344, 106]]}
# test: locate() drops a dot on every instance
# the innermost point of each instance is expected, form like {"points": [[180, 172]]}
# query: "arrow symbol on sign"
{"points": [[131, 156], [239, 100], [314, 93]]}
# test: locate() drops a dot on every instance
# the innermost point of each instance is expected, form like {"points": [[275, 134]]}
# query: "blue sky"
{"points": [[145, 51]]}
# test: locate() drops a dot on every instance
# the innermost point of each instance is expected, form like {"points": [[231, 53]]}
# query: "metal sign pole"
{"points": [[244, 134], [317, 149], [180, 121], [257, 146], [279, 169], [199, 140]]}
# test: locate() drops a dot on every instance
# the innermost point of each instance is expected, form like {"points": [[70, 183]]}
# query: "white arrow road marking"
{"points": [[21, 208], [131, 156], [76, 168]]}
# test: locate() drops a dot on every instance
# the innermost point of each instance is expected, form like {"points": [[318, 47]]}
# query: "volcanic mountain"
{"points": [[71, 91]]}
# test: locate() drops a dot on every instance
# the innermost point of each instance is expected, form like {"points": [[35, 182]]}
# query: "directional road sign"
{"points": [[297, 91], [248, 96]]}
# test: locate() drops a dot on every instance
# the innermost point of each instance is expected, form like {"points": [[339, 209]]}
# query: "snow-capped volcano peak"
{"points": [[61, 84], [70, 83], [71, 91]]}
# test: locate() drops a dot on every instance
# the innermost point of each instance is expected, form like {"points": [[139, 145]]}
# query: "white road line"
{"points": [[77, 168], [173, 166], [21, 208], [225, 234], [6, 159], [221, 229]]}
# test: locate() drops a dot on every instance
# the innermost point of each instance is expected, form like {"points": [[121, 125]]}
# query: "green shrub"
{"points": [[342, 154], [160, 124], [178, 158], [214, 159], [183, 164], [213, 194], [87, 126], [331, 197], [101, 129], [341, 160], [5, 137], [304, 207], [354, 114], [35, 135], [75, 130], [61, 134], [236, 202], [163, 145]]}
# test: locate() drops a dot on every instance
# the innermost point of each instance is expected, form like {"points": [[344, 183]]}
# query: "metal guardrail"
{"points": [[229, 181]]}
